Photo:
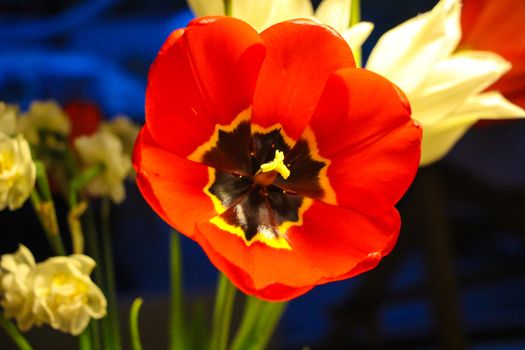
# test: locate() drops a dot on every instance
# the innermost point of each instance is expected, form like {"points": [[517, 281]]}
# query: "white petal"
{"points": [[206, 7], [454, 80], [357, 34], [406, 53], [335, 13], [438, 139], [263, 14]]}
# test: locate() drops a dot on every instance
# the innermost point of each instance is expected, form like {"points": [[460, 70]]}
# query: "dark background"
{"points": [[455, 280]]}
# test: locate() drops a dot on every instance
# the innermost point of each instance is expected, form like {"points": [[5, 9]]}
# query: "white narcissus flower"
{"points": [[444, 87], [16, 296], [105, 148], [58, 291], [336, 13], [17, 171], [44, 116], [262, 14], [8, 116], [122, 127], [65, 297], [259, 14]]}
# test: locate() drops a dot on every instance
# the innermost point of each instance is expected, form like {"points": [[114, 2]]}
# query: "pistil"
{"points": [[268, 171]]}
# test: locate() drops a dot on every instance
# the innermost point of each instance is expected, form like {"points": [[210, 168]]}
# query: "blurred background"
{"points": [[456, 280]]}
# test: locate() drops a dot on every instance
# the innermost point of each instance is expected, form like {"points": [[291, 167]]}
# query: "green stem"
{"points": [[93, 245], [176, 332], [134, 324], [81, 181], [228, 7], [84, 340], [95, 334], [222, 313], [109, 273], [14, 333], [258, 324], [42, 180], [45, 210], [355, 17]]}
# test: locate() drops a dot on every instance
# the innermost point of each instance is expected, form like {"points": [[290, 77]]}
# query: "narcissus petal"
{"points": [[291, 79], [452, 81], [204, 75], [440, 138], [407, 53]]}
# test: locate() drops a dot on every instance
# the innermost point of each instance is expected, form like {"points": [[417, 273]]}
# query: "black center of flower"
{"points": [[260, 203]]}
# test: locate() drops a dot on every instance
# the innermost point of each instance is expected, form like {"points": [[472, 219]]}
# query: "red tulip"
{"points": [[275, 153], [498, 26], [85, 118]]}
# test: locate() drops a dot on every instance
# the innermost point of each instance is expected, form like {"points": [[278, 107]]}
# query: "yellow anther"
{"points": [[276, 165]]}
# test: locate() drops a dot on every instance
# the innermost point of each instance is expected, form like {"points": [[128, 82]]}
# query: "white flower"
{"points": [[259, 14], [8, 116], [262, 14], [122, 127], [444, 87], [105, 148], [16, 296], [336, 13], [64, 295], [44, 116], [17, 171], [58, 291]]}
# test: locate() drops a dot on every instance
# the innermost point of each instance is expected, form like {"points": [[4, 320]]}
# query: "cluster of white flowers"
{"points": [[58, 291], [443, 86], [46, 126], [44, 116]]}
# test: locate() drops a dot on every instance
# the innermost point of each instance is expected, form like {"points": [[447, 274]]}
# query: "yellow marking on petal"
{"points": [[277, 165], [263, 236], [329, 193]]}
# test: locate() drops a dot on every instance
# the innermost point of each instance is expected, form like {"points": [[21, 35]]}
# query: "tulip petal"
{"points": [[452, 81], [331, 244], [406, 53], [441, 137], [204, 75], [351, 129], [291, 79], [172, 185]]}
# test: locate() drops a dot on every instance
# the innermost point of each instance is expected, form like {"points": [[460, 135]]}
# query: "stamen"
{"points": [[276, 165]]}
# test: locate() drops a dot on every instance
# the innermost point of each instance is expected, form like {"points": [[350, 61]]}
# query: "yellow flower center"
{"points": [[6, 162]]}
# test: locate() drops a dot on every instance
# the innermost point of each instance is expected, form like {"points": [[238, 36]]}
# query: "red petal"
{"points": [[204, 75], [506, 38], [301, 55], [173, 186], [333, 243], [363, 125], [85, 118]]}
